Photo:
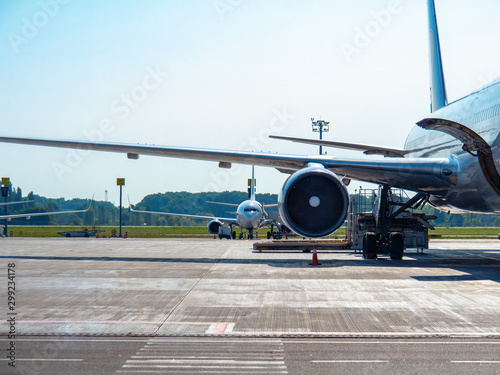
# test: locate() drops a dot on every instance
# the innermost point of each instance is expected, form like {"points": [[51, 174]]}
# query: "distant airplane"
{"points": [[18, 202], [30, 215], [250, 215], [450, 159]]}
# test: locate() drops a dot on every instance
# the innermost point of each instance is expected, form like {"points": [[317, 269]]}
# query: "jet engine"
{"points": [[213, 226], [313, 202]]}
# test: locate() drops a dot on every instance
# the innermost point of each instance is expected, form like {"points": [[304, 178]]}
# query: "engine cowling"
{"points": [[313, 202], [213, 226]]}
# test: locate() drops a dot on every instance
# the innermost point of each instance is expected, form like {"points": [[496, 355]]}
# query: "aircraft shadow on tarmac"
{"points": [[475, 264]]}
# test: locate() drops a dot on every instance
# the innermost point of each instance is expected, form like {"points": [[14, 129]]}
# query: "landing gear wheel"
{"points": [[370, 246], [233, 234], [396, 246], [268, 235]]}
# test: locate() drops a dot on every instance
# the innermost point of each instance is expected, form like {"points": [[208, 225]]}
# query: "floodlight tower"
{"points": [[5, 187], [320, 126]]}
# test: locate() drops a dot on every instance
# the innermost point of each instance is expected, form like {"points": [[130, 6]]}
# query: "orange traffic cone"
{"points": [[315, 258]]}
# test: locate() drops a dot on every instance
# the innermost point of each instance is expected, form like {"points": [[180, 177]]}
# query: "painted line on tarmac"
{"points": [[477, 362], [218, 324], [349, 361], [250, 340], [392, 342], [46, 359], [220, 328], [367, 335]]}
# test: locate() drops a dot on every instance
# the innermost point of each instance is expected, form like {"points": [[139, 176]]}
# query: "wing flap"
{"points": [[367, 149]]}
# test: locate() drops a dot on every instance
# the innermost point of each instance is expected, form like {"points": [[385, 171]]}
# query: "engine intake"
{"points": [[313, 202], [213, 226]]}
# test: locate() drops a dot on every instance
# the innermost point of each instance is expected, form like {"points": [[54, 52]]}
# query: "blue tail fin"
{"points": [[438, 88]]}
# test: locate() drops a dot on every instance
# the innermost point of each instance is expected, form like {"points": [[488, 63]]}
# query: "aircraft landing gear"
{"points": [[370, 246], [386, 237], [396, 246], [276, 235]]}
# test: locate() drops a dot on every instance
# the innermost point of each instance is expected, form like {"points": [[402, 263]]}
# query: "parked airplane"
{"points": [[450, 159], [30, 215], [250, 215], [9, 203]]}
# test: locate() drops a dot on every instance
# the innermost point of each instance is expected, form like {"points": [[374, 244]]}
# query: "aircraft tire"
{"points": [[370, 246], [396, 246], [268, 235]]}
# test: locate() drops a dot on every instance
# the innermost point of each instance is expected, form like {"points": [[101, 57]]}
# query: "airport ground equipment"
{"points": [[384, 221], [379, 221], [304, 245], [81, 233], [225, 232]]}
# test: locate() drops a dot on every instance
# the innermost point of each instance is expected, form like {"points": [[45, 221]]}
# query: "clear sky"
{"points": [[219, 74]]}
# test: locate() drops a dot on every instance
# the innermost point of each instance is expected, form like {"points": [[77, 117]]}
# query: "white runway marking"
{"points": [[265, 356], [46, 359], [348, 361], [479, 362]]}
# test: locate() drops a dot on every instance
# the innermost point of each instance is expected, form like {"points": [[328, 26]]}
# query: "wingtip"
{"points": [[90, 204], [129, 204]]}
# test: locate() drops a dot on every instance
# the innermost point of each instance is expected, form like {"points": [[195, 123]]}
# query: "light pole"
{"points": [[320, 126], [5, 194], [120, 182]]}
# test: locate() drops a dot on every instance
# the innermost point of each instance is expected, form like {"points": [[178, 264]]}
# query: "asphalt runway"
{"points": [[230, 355], [98, 305]]}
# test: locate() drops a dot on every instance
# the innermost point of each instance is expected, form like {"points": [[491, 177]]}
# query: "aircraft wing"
{"points": [[430, 175], [19, 202], [367, 149], [224, 219], [17, 216], [225, 204], [270, 205]]}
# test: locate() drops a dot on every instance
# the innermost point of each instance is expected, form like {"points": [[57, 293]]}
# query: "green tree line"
{"points": [[105, 213]]}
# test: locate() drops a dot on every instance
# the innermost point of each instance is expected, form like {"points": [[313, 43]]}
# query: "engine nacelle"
{"points": [[213, 226], [313, 202]]}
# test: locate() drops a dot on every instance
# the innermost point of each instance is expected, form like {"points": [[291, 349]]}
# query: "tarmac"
{"points": [[192, 287]]}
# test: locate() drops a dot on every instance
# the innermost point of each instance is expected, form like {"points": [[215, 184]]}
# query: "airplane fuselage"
{"points": [[250, 214], [475, 183]]}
